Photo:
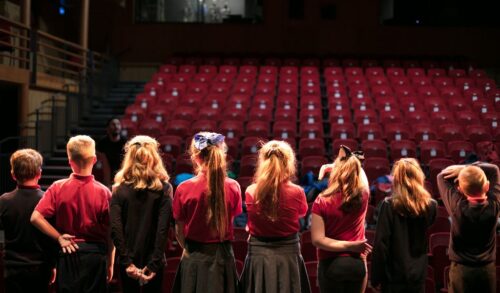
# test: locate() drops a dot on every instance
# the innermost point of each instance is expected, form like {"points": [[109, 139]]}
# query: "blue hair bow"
{"points": [[202, 140]]}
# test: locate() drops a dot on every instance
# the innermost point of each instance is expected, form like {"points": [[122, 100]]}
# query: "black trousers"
{"points": [[465, 279], [341, 274], [83, 271], [27, 279], [130, 285]]}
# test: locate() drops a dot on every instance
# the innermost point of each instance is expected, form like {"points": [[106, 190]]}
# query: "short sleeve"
{"points": [[105, 205], [177, 210], [318, 206], [302, 202], [237, 209], [47, 204]]}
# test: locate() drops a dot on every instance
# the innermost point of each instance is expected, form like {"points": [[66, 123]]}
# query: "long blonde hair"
{"points": [[213, 158], [276, 165], [142, 167], [409, 195], [345, 179]]}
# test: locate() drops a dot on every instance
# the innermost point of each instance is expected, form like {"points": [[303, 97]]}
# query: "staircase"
{"points": [[94, 124]]}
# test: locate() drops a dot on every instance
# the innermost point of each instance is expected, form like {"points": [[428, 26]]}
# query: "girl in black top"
{"points": [[140, 214], [399, 260]]}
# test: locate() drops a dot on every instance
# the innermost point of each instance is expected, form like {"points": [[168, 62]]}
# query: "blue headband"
{"points": [[202, 140]]}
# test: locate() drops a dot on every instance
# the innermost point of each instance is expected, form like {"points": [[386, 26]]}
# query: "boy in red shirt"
{"points": [[80, 206]]}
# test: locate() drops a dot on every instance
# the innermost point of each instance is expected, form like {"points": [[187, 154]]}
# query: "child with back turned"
{"points": [[80, 206], [27, 258], [471, 197]]}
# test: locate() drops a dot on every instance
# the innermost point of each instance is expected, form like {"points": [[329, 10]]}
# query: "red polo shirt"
{"points": [[80, 206], [190, 207], [292, 206], [338, 224]]}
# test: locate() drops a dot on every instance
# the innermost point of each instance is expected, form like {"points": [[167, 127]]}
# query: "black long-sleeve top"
{"points": [[474, 224], [24, 244], [400, 248], [140, 220]]}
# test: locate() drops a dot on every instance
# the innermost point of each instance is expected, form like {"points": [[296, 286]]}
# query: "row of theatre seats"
{"points": [[438, 115]]}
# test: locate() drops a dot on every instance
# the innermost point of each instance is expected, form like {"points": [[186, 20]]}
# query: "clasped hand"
{"points": [[142, 275]]}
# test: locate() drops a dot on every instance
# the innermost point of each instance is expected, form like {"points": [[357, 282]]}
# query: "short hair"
{"points": [[81, 150], [25, 164], [111, 119], [472, 180]]}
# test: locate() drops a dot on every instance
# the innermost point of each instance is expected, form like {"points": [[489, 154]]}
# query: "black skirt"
{"points": [[208, 268], [274, 266]]}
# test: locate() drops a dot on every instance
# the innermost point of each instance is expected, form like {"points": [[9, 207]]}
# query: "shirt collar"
{"points": [[28, 186], [82, 177]]}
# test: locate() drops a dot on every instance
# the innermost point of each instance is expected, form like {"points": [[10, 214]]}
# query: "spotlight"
{"points": [[62, 10]]}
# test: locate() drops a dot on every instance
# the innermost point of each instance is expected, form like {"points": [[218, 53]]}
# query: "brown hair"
{"points": [[276, 165], [409, 194], [213, 157], [472, 180], [25, 164], [345, 178], [81, 150], [142, 166]]}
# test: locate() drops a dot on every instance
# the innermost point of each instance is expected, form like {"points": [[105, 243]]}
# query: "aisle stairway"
{"points": [[113, 105]]}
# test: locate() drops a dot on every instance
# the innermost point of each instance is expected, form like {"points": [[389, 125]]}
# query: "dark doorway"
{"points": [[9, 113]]}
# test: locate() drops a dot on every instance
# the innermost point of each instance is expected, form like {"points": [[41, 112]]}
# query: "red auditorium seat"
{"points": [[416, 117], [231, 129], [244, 182], [270, 68], [439, 259], [182, 78], [170, 144], [312, 163], [314, 130], [435, 167], [203, 125], [391, 117], [466, 117], [270, 78], [397, 81], [376, 167], [477, 133], [376, 148], [225, 78], [443, 81], [458, 104], [257, 113], [135, 113], [284, 129], [403, 149], [374, 71], [311, 147], [451, 132], [450, 92], [228, 69], [441, 117], [421, 81], [457, 73], [440, 225], [286, 115], [424, 132], [350, 143], [178, 127], [251, 145], [370, 132], [340, 116], [185, 113], [415, 72], [242, 88], [436, 72], [365, 117], [342, 131], [258, 128], [490, 120], [234, 114], [286, 102], [458, 150], [288, 89], [183, 164], [248, 163], [129, 127], [150, 127], [263, 101], [192, 99], [168, 68], [333, 71], [397, 131], [483, 106], [431, 149]]}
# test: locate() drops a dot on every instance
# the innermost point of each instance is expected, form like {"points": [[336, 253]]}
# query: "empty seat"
{"points": [[431, 149], [150, 127], [311, 130], [248, 163], [185, 113], [439, 259], [397, 131], [376, 148], [370, 132], [424, 132], [350, 143], [342, 131], [311, 147], [251, 145], [231, 129], [477, 133], [459, 150], [376, 167], [284, 129], [203, 125], [403, 149], [313, 164], [171, 144], [178, 127], [451, 132], [258, 129]]}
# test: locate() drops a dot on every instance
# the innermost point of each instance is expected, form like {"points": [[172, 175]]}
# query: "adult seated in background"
{"points": [[471, 194], [112, 145]]}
